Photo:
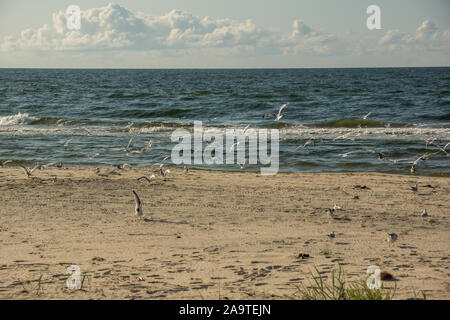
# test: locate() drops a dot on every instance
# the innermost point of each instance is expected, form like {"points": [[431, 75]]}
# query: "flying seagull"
{"points": [[310, 141], [367, 115], [145, 148], [66, 144], [162, 172], [121, 166], [279, 116], [344, 155], [4, 163], [138, 208], [149, 180], [29, 173]]}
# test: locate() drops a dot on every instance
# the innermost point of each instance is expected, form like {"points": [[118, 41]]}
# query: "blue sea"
{"points": [[99, 110]]}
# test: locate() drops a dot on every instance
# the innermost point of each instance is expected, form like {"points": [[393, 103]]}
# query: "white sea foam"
{"points": [[17, 119]]}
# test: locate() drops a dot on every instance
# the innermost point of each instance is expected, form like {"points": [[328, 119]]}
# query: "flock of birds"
{"points": [[129, 150], [391, 237]]}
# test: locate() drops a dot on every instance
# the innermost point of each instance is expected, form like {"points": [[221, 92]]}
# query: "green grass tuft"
{"points": [[337, 288]]}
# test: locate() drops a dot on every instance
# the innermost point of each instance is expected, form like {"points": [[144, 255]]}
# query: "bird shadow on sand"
{"points": [[342, 219], [165, 221]]}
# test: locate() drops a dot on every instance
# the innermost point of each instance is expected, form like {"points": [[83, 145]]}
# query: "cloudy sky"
{"points": [[232, 33]]}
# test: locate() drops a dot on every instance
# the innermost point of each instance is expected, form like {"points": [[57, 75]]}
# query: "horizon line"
{"points": [[221, 68]]}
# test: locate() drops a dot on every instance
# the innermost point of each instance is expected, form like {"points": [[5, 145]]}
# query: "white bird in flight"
{"points": [[29, 173], [310, 141], [279, 116], [66, 144], [367, 115], [149, 180], [344, 155], [4, 163]]}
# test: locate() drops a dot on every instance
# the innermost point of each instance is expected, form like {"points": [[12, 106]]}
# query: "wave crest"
{"points": [[17, 119]]}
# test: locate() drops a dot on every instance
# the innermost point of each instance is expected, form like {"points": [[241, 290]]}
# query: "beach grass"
{"points": [[338, 288]]}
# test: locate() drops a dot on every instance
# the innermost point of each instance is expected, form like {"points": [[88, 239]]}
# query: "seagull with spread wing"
{"points": [[279, 115]]}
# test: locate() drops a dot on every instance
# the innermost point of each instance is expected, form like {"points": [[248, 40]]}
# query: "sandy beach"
{"points": [[217, 235]]}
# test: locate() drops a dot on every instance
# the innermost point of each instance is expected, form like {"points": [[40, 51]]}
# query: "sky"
{"points": [[224, 34]]}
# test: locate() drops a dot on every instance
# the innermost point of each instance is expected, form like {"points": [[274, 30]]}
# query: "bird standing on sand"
{"points": [[331, 213], [391, 238], [415, 188], [331, 235], [424, 213], [138, 208], [337, 207]]}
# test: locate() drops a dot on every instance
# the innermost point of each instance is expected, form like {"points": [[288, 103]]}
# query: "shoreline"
{"points": [[207, 233], [406, 173]]}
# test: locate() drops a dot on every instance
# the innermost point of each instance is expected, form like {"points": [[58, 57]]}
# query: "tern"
{"points": [[424, 213], [163, 173], [145, 148], [391, 238], [415, 188], [331, 213], [242, 165], [149, 180], [29, 173], [310, 141], [234, 144], [121, 166], [4, 163], [66, 144], [279, 116], [94, 156], [138, 208], [380, 154], [344, 155], [367, 115]]}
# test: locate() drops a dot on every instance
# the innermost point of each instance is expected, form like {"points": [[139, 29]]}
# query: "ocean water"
{"points": [[40, 109]]}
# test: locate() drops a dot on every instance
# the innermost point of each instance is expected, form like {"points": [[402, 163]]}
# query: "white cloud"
{"points": [[182, 35], [427, 36], [303, 39], [115, 27]]}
